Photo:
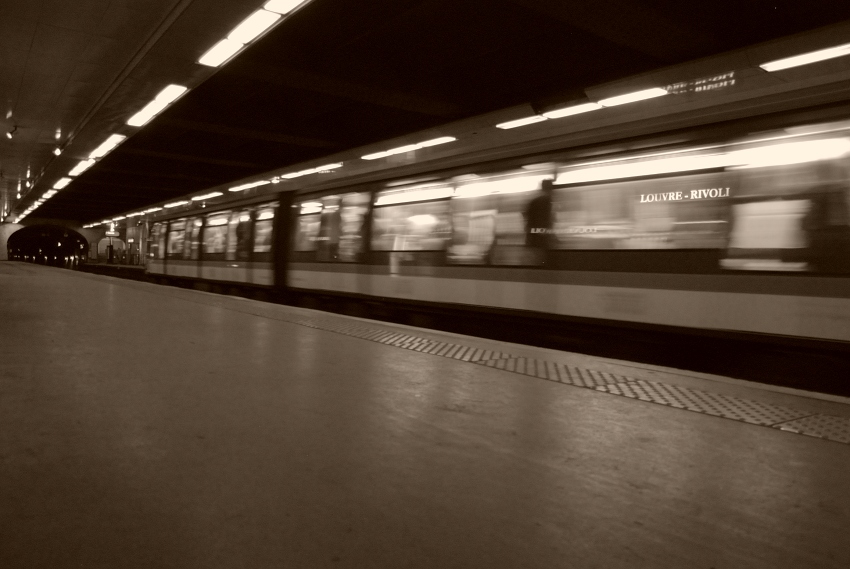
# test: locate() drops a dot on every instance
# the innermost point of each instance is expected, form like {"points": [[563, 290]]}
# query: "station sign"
{"points": [[111, 233]]}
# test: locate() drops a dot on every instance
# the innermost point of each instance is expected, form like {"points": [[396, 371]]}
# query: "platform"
{"points": [[150, 426]]}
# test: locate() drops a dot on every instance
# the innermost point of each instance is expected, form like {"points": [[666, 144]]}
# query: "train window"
{"points": [[156, 243], [793, 217], [489, 220], [160, 239], [176, 232], [422, 226], [307, 226], [332, 226], [215, 233], [355, 205], [327, 240], [676, 212], [263, 227], [239, 236], [191, 244]]}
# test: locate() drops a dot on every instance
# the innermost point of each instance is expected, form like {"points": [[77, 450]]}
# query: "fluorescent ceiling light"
{"points": [[373, 156], [266, 215], [119, 218], [409, 148], [315, 170], [49, 194], [135, 214], [806, 58], [108, 145], [573, 110], [206, 196], [327, 167], [521, 122], [153, 209], [175, 204], [61, 183], [436, 141], [282, 6], [252, 26], [249, 185], [220, 52], [632, 97], [81, 167], [162, 100]]}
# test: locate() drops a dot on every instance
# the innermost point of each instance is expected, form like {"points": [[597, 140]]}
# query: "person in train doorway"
{"points": [[827, 223], [538, 223]]}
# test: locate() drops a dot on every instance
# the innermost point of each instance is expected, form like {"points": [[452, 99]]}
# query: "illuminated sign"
{"points": [[110, 233], [700, 194], [705, 84]]}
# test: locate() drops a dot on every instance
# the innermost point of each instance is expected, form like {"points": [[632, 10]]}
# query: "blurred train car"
{"points": [[748, 235], [736, 230]]}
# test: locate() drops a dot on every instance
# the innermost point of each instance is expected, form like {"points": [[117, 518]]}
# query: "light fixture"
{"points": [[282, 6], [572, 110], [325, 168], [220, 52], [107, 146], [175, 204], [57, 151], [61, 183], [253, 26], [243, 187], [165, 97], [12, 132], [409, 147], [521, 122], [806, 58], [152, 209], [206, 196], [81, 167], [633, 97]]}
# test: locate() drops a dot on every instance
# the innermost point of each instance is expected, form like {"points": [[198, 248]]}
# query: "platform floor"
{"points": [[148, 426]]}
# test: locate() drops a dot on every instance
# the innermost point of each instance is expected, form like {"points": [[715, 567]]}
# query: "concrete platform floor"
{"points": [[147, 426]]}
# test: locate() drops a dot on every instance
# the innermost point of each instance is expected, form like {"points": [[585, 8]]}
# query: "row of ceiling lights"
{"points": [[263, 19], [246, 32], [575, 109]]}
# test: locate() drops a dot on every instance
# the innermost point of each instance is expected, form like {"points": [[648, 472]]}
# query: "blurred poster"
{"points": [[677, 212]]}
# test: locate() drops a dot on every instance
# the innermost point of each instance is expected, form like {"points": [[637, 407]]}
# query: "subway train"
{"points": [[716, 245]]}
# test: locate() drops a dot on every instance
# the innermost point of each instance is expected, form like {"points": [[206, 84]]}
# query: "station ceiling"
{"points": [[333, 75]]}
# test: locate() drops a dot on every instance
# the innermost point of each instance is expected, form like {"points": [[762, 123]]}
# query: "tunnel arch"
{"points": [[47, 244]]}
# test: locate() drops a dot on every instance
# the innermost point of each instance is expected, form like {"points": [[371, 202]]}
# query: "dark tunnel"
{"points": [[48, 245]]}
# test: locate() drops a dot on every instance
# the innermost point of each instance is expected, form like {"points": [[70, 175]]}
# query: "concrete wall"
{"points": [[6, 230]]}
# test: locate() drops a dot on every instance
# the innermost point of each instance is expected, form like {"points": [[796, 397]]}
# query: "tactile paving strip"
{"points": [[745, 410], [787, 419], [822, 426]]}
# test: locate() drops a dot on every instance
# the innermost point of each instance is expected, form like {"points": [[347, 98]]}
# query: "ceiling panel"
{"points": [[336, 75]]}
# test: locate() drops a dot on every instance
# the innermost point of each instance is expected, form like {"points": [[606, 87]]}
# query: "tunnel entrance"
{"points": [[48, 245]]}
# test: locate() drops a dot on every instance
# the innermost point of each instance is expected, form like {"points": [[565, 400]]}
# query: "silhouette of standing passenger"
{"points": [[538, 222]]}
